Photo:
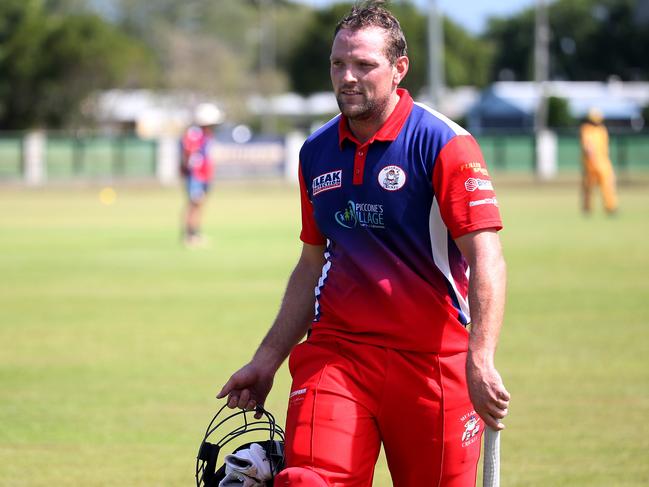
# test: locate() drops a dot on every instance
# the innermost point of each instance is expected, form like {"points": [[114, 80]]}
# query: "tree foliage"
{"points": [[223, 48], [590, 40], [559, 113], [51, 61], [467, 59], [53, 53]]}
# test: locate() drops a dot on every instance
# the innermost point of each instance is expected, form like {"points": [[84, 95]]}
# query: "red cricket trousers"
{"points": [[347, 398]]}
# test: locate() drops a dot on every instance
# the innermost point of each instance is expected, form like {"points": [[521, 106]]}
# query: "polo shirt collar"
{"points": [[389, 130]]}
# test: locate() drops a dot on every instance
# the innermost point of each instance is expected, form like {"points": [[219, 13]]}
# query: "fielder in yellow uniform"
{"points": [[597, 169]]}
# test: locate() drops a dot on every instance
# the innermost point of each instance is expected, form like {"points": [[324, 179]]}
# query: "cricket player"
{"points": [[197, 167], [397, 204], [597, 167]]}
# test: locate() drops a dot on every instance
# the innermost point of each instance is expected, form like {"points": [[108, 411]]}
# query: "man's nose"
{"points": [[349, 76]]}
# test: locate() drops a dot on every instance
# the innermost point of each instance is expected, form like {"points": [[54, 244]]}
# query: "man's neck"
{"points": [[363, 130]]}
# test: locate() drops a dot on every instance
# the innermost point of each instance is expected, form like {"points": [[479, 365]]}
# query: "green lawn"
{"points": [[115, 339]]}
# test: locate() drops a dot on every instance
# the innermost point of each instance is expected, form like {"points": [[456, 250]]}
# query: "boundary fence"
{"points": [[97, 158], [517, 153]]}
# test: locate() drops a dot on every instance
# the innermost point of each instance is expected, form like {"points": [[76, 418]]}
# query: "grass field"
{"points": [[115, 339]]}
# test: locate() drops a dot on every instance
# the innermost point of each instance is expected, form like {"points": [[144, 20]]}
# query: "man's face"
{"points": [[362, 76]]}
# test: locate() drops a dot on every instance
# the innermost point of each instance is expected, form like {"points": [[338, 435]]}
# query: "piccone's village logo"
{"points": [[360, 214], [347, 217]]}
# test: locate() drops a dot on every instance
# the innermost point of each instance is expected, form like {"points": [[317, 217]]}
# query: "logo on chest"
{"points": [[327, 181], [392, 178], [361, 214]]}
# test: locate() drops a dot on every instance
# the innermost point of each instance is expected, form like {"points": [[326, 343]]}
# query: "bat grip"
{"points": [[491, 462]]}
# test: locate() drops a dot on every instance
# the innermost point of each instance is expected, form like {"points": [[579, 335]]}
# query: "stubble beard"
{"points": [[359, 112]]}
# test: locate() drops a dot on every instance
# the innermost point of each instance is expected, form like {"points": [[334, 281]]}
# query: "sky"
{"points": [[471, 14]]}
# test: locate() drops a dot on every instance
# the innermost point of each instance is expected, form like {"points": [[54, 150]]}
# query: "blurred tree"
{"points": [[559, 113], [645, 116], [214, 47], [513, 41], [467, 59], [590, 40], [51, 62], [309, 62]]}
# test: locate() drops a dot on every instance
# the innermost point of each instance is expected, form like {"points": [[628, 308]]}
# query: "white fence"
{"points": [[36, 158]]}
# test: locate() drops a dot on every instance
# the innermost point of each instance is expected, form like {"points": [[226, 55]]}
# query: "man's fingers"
{"points": [[502, 404], [233, 400], [493, 422], [498, 413], [497, 408], [229, 385], [243, 399], [503, 394], [224, 391]]}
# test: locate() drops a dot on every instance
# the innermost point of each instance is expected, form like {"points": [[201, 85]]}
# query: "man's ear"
{"points": [[401, 69]]}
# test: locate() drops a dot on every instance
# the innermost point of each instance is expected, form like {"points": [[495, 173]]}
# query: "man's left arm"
{"points": [[487, 283]]}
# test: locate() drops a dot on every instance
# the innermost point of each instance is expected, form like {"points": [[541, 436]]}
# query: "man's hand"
{"points": [[487, 391], [248, 387]]}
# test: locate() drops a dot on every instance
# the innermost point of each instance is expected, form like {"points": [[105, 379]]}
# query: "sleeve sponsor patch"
{"points": [[463, 188], [474, 166], [473, 184], [486, 201]]}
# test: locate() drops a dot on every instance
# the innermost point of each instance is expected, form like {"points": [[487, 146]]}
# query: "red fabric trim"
{"points": [[359, 163], [310, 233]]}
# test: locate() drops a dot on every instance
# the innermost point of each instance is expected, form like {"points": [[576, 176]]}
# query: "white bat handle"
{"points": [[491, 463]]}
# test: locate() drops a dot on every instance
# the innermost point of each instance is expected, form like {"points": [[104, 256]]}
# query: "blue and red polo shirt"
{"points": [[197, 148], [388, 211]]}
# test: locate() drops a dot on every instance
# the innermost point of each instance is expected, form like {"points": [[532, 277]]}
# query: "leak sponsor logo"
{"points": [[392, 178], [473, 184], [471, 428], [360, 214], [327, 181]]}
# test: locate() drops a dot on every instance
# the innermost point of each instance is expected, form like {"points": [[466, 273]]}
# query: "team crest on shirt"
{"points": [[392, 178], [327, 181], [471, 428]]}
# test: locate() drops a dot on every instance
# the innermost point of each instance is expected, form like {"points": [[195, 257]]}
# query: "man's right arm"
{"points": [[250, 385]]}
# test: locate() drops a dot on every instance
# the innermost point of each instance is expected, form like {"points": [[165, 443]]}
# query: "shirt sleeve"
{"points": [[310, 233], [464, 189]]}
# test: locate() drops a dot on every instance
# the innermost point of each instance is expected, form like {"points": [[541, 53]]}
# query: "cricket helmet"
{"points": [[229, 433]]}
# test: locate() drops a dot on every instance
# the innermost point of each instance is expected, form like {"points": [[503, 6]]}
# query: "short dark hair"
{"points": [[374, 14]]}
